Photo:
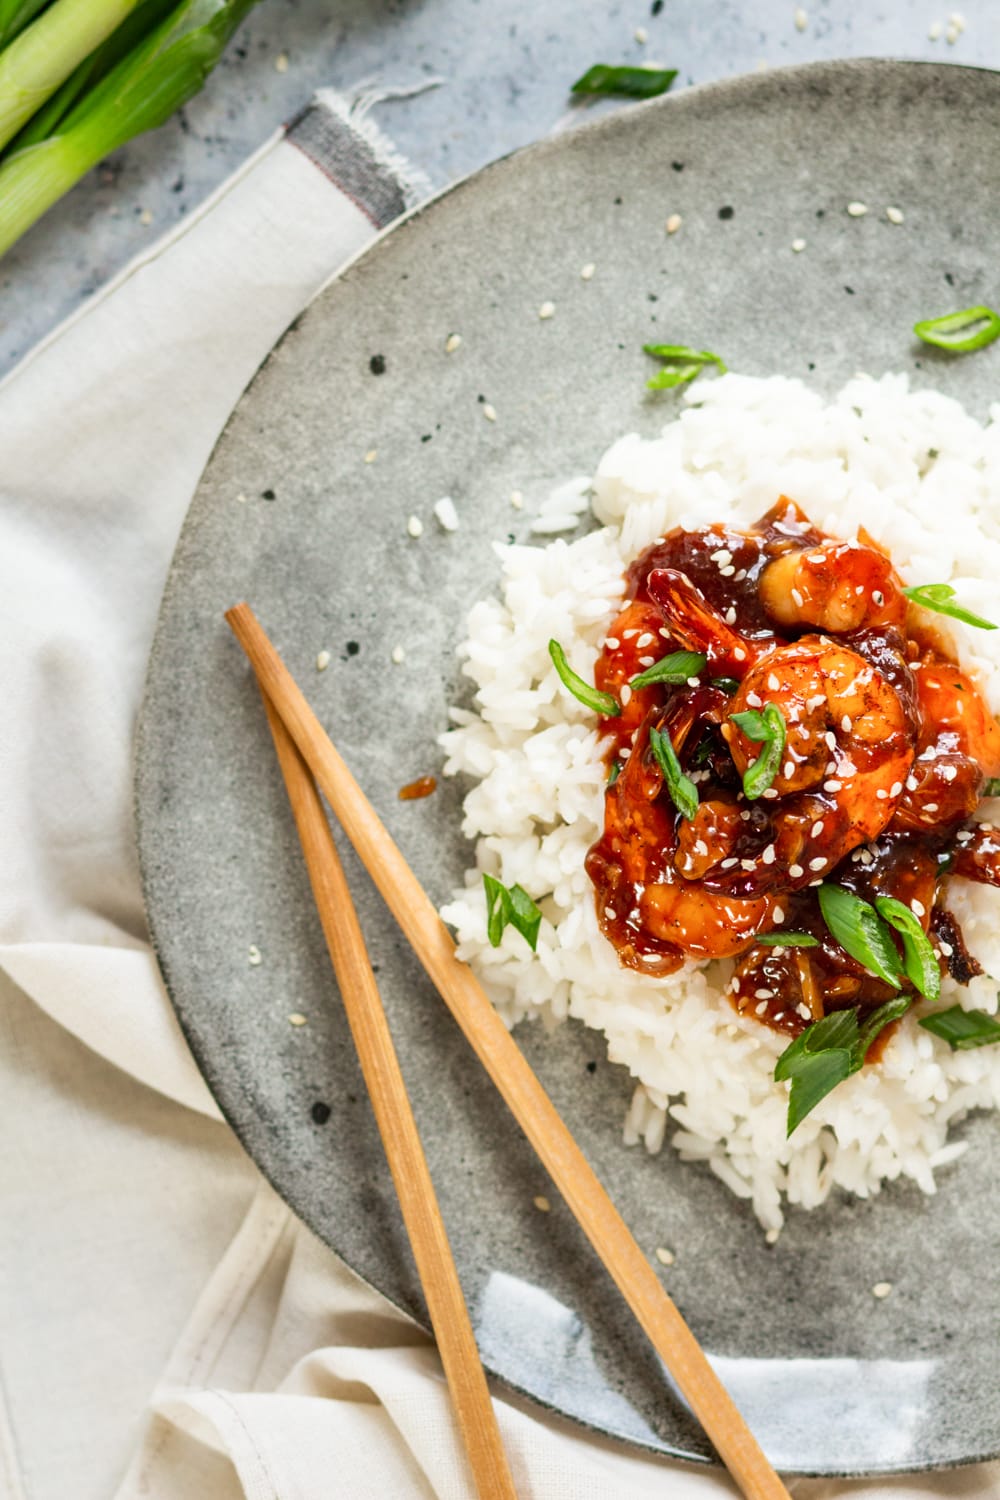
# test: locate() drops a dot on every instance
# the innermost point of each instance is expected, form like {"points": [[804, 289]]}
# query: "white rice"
{"points": [[704, 1074]]}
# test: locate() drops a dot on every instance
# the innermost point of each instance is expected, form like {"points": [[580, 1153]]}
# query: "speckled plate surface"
{"points": [[290, 516]]}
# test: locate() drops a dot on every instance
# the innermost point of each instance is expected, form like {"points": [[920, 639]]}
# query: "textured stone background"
{"points": [[505, 67]]}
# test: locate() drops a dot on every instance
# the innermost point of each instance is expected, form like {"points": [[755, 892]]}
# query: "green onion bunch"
{"points": [[79, 78]]}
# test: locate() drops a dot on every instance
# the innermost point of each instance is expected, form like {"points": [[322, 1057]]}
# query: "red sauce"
{"points": [[422, 787], [888, 748]]}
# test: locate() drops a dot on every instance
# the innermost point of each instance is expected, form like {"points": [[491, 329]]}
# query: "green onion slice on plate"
{"points": [[960, 332]]}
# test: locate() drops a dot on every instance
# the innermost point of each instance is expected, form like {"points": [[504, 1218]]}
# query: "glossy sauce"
{"points": [[887, 752]]}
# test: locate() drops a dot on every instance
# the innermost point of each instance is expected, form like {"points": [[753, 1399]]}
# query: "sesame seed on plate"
{"points": [[452, 342], [415, 527], [253, 955], [587, 271], [817, 828], [730, 615], [664, 1256], [489, 412], [296, 1018], [322, 661], [881, 1289], [693, 682], [281, 63], [547, 310], [542, 1203], [857, 210], [674, 223], [894, 215], [778, 916], [934, 31], [800, 18], [641, 35], [517, 499], [818, 864], [371, 455], [798, 246], [398, 655]]}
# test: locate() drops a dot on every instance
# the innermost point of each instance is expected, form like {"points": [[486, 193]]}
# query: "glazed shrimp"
{"points": [[655, 915], [849, 748], [833, 585], [957, 750]]}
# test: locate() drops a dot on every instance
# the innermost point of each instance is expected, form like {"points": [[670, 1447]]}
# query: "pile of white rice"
{"points": [[924, 478]]}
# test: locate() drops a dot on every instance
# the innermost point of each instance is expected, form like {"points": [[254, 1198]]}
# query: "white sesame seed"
{"points": [[813, 703], [895, 789], [398, 655], [489, 412], [801, 19], [769, 855], [674, 223], [789, 769], [587, 271], [629, 635], [817, 828], [911, 783], [746, 864], [447, 515], [934, 31], [754, 700], [857, 210], [452, 342], [371, 455], [764, 994], [818, 863], [645, 640], [795, 871], [918, 907], [930, 807], [804, 1011], [517, 499], [296, 1018], [771, 795], [641, 35], [952, 35], [415, 526], [625, 694], [612, 642], [322, 661], [664, 1256], [761, 1007], [946, 948], [867, 857], [739, 654], [542, 1203], [253, 955], [832, 785], [798, 246], [281, 63], [727, 572], [647, 661], [882, 794], [727, 864], [797, 598], [881, 1289], [547, 310], [722, 558], [693, 682], [773, 683], [949, 773], [730, 615], [964, 836], [894, 215], [146, 217]]}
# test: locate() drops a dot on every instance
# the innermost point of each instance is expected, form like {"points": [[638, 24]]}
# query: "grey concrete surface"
{"points": [[505, 67]]}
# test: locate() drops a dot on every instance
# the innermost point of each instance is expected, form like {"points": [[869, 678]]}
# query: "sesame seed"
{"points": [[414, 526], [832, 785], [895, 789], [817, 828], [846, 724], [727, 864], [773, 683], [489, 412], [911, 783], [804, 1011], [769, 855], [795, 871], [146, 217], [764, 994], [322, 661], [612, 642], [761, 1007], [587, 271], [649, 661], [894, 215], [881, 1289], [664, 1256], [517, 499], [798, 246], [739, 654], [625, 694], [645, 640], [882, 794], [801, 19], [693, 682], [934, 31], [789, 769], [398, 655], [727, 572], [818, 863], [641, 35], [542, 1203], [949, 773], [918, 907], [452, 342], [371, 455], [296, 1018], [281, 63], [946, 948], [722, 558], [446, 514], [931, 807], [242, 498], [771, 795], [798, 598], [547, 310], [730, 615], [253, 955], [674, 223], [952, 35], [754, 700], [857, 210], [746, 864]]}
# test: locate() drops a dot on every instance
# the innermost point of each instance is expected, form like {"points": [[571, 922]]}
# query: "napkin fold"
{"points": [[291, 1379]]}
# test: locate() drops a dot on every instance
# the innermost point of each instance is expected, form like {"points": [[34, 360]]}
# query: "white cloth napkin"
{"points": [[289, 1379]]}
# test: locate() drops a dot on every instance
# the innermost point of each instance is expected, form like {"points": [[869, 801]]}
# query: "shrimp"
{"points": [[635, 640], [833, 585], [957, 749], [653, 911], [848, 751]]}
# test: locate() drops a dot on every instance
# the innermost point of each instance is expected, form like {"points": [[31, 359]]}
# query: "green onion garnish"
{"points": [[727, 684], [936, 596], [860, 931], [615, 772], [952, 332], [633, 83], [787, 939], [768, 729], [919, 959], [677, 667], [992, 787], [683, 792], [829, 1051], [963, 1029], [681, 364], [590, 697], [513, 907]]}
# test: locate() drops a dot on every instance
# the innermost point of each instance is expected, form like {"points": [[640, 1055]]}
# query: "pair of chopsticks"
{"points": [[308, 759]]}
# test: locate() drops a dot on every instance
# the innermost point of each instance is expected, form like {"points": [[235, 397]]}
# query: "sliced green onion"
{"points": [[936, 596], [510, 907], [767, 728], [590, 697], [727, 684], [960, 332], [633, 83], [787, 939], [615, 772], [677, 667], [827, 1052], [992, 787], [860, 931], [683, 792], [963, 1029], [919, 959], [681, 364]]}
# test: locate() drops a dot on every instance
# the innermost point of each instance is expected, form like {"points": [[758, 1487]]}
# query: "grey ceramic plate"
{"points": [[832, 1380]]}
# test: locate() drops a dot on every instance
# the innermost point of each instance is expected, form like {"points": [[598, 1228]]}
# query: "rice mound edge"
{"points": [[923, 477]]}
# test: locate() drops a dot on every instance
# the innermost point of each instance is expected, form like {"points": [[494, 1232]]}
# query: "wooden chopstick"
{"points": [[502, 1059], [390, 1102]]}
